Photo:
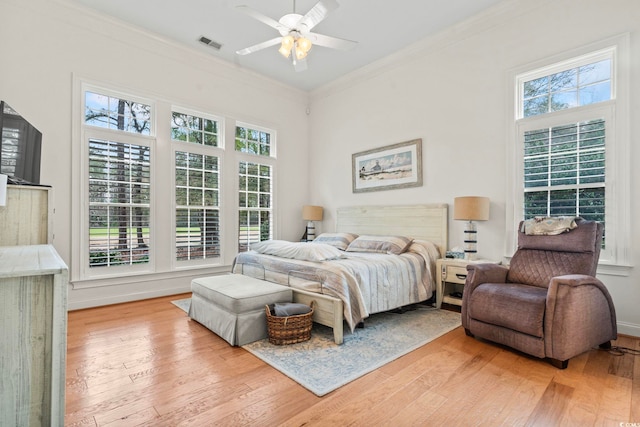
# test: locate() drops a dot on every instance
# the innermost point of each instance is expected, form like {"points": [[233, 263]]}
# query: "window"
{"points": [[564, 164], [197, 130], [253, 141], [569, 139], [119, 185], [115, 113], [197, 187], [156, 189], [569, 88], [255, 184], [197, 206], [564, 171]]}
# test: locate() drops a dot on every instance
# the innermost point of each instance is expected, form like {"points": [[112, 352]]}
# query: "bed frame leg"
{"points": [[337, 334]]}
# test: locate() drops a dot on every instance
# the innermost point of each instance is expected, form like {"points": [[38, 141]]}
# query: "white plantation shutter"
{"points": [[119, 202], [564, 171], [197, 206]]}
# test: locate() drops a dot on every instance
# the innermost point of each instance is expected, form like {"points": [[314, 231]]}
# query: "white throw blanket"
{"points": [[549, 226]]}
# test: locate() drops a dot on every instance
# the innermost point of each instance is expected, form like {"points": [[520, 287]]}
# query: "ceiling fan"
{"points": [[296, 37]]}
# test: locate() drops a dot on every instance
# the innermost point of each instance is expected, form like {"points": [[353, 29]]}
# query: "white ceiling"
{"points": [[380, 27]]}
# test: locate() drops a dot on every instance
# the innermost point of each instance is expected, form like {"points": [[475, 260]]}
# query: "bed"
{"points": [[350, 287]]}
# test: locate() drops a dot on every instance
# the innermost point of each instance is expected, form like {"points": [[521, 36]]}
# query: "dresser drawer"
{"points": [[454, 274]]}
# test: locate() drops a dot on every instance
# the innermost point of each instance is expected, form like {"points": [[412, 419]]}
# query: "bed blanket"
{"points": [[367, 283]]}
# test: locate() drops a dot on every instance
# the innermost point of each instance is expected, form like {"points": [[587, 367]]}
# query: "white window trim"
{"points": [[162, 265], [272, 147], [82, 257], [219, 152], [207, 151], [271, 160], [196, 113], [617, 260]]}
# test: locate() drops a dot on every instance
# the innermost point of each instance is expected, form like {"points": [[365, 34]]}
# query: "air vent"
{"points": [[210, 43]]}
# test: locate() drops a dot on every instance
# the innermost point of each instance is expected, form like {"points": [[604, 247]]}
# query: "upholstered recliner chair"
{"points": [[547, 303]]}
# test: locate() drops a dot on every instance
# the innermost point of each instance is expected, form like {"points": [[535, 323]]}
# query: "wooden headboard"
{"points": [[424, 222]]}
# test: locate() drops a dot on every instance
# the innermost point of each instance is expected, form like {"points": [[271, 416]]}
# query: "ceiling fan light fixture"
{"points": [[286, 46], [287, 41], [304, 44], [284, 51], [300, 53], [302, 47]]}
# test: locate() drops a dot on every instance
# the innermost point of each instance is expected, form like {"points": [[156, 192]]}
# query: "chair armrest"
{"points": [[476, 275], [485, 273], [579, 310]]}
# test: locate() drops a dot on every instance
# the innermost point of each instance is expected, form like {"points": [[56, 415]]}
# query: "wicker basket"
{"points": [[289, 329]]}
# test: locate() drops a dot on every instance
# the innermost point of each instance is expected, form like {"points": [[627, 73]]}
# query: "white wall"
{"points": [[451, 91], [45, 44]]}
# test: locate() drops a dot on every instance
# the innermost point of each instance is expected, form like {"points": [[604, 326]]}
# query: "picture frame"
{"points": [[387, 168]]}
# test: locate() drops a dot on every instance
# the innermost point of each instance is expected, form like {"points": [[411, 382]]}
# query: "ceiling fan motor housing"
{"points": [[291, 21]]}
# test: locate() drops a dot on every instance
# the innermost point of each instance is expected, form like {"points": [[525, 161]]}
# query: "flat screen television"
{"points": [[20, 150]]}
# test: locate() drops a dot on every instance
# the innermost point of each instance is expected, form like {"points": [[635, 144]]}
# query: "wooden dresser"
{"points": [[33, 313], [33, 335], [25, 218]]}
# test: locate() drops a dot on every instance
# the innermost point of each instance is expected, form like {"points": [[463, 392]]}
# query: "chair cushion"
{"points": [[537, 268], [510, 305]]}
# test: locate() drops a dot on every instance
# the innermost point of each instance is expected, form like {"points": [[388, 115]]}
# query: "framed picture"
{"points": [[386, 168]]}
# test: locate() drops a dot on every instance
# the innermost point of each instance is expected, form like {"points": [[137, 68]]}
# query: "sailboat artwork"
{"points": [[395, 166]]}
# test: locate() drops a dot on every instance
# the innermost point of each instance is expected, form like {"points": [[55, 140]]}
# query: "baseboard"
{"points": [[118, 299], [630, 329]]}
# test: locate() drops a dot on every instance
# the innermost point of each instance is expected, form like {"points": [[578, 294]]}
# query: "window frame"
{"points": [[88, 132], [218, 151], [207, 150], [521, 78], [191, 112], [162, 264], [270, 160], [615, 259]]}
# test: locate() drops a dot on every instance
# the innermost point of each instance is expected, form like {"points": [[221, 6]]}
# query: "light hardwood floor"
{"points": [[145, 363]]}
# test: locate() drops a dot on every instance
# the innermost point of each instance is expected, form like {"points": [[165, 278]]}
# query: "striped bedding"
{"points": [[367, 283]]}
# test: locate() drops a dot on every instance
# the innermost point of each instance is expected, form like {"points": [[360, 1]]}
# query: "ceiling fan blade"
{"points": [[259, 46], [332, 42], [318, 13], [262, 18], [300, 64]]}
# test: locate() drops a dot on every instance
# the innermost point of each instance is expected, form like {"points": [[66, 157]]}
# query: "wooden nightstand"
{"points": [[451, 274]]}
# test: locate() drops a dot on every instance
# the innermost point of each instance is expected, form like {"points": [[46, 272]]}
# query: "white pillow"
{"points": [[380, 244], [339, 240], [303, 251]]}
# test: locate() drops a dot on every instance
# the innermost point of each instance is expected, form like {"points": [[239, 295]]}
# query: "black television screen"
{"points": [[20, 150]]}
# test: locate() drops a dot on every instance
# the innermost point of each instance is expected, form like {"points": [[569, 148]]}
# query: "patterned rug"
{"points": [[321, 366]]}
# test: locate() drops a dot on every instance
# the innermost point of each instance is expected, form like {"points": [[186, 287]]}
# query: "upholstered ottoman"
{"points": [[232, 305]]}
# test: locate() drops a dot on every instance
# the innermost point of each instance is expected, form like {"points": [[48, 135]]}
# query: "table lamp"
{"points": [[471, 208], [310, 214]]}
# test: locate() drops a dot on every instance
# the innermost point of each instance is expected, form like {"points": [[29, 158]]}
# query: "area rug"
{"points": [[183, 304], [321, 366]]}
